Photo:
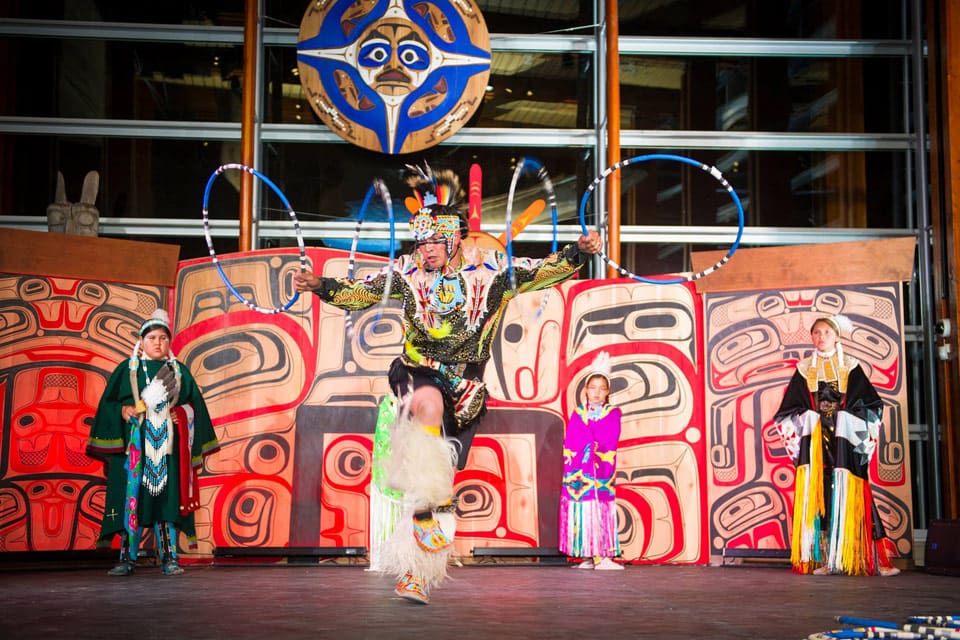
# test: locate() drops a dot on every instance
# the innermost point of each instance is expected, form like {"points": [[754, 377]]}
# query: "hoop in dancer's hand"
{"points": [[377, 187], [528, 165], [713, 171], [213, 254]]}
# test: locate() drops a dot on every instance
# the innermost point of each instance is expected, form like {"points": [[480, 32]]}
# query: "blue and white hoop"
{"points": [[381, 190], [213, 253], [528, 165], [713, 171]]}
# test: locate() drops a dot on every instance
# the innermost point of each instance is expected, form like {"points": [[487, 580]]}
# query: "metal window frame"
{"points": [[911, 50], [490, 137]]}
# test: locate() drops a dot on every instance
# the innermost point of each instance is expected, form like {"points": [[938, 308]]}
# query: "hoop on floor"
{"points": [[941, 620], [713, 171], [213, 253], [528, 165], [942, 627], [867, 622], [381, 190]]}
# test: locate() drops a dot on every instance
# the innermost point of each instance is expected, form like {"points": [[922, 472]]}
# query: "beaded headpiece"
{"points": [[440, 200], [600, 366], [160, 318], [840, 323]]}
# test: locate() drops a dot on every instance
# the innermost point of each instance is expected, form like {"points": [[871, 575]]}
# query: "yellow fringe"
{"points": [[799, 504], [854, 537], [816, 470], [850, 545], [808, 507]]}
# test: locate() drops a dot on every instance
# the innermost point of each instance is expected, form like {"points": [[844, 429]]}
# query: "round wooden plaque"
{"points": [[395, 76]]}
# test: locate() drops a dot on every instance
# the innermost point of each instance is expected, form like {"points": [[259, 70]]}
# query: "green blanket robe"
{"points": [[109, 439]]}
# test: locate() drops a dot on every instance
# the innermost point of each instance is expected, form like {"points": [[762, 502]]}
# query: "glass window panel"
{"points": [[81, 78], [537, 16], [139, 178], [880, 19], [222, 13], [551, 90], [799, 189], [284, 100], [501, 16], [815, 95], [328, 182]]}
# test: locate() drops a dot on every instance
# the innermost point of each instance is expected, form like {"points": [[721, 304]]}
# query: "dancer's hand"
{"points": [[590, 243], [305, 280]]}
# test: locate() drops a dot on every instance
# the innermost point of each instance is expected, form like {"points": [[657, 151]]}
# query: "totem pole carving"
{"points": [[80, 218]]}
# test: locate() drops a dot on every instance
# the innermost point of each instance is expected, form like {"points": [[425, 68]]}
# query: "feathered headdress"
{"points": [[439, 202], [600, 366], [435, 187], [844, 325]]}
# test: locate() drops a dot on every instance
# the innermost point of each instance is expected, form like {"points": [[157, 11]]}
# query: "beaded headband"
{"points": [[160, 318], [424, 224]]}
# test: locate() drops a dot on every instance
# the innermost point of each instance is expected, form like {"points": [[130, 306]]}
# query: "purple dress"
{"points": [[588, 508]]}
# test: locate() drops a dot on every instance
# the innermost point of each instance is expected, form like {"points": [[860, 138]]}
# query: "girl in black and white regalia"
{"points": [[829, 422]]}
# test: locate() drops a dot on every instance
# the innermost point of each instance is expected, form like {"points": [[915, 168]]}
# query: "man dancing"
{"points": [[453, 300]]}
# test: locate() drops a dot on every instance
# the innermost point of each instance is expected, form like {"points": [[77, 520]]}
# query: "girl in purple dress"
{"points": [[588, 508]]}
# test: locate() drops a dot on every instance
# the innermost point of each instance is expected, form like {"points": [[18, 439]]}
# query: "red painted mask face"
{"points": [[51, 420]]}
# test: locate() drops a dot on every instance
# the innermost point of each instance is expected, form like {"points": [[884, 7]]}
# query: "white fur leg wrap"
{"points": [[448, 522], [400, 554], [385, 512], [421, 465]]}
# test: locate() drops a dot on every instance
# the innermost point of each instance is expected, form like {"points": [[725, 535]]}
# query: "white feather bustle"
{"points": [[401, 554], [421, 465]]}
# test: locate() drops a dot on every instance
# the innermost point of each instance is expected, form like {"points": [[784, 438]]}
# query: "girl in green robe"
{"points": [[153, 430]]}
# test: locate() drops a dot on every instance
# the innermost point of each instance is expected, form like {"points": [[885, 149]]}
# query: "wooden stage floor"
{"points": [[504, 601]]}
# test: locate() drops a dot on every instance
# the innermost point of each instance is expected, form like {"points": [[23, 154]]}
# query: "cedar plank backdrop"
{"points": [[294, 401]]}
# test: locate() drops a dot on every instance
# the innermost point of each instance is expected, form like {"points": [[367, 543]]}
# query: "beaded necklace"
{"points": [[828, 367], [595, 410]]}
